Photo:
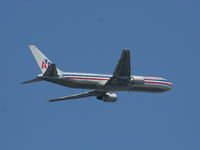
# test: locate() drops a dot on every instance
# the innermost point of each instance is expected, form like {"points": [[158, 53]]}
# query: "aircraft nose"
{"points": [[170, 86]]}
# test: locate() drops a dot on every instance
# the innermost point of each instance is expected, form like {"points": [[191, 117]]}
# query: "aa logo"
{"points": [[45, 64]]}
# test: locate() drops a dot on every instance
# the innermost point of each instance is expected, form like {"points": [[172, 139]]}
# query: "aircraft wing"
{"points": [[123, 68], [81, 95], [122, 71]]}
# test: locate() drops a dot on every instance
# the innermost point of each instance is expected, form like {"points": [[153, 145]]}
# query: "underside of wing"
{"points": [[81, 95]]}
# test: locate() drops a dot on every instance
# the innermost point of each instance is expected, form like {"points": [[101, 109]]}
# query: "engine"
{"points": [[108, 97], [137, 80]]}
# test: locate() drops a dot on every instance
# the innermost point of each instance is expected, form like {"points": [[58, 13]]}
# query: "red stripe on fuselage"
{"points": [[88, 78]]}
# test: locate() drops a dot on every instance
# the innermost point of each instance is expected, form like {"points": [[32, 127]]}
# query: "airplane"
{"points": [[102, 86]]}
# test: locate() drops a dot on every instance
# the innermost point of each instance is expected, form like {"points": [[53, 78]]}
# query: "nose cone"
{"points": [[168, 85]]}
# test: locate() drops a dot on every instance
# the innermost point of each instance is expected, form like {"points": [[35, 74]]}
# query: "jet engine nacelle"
{"points": [[137, 80], [108, 97]]}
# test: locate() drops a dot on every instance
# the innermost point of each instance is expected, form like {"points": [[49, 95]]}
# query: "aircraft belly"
{"points": [[79, 83], [152, 88], [87, 84]]}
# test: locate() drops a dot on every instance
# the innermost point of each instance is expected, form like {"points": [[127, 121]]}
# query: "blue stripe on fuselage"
{"points": [[164, 80]]}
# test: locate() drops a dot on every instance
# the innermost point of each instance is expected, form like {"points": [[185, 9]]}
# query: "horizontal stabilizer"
{"points": [[30, 81], [51, 71]]}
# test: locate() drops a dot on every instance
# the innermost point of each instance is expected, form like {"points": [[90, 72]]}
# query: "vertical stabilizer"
{"points": [[42, 60]]}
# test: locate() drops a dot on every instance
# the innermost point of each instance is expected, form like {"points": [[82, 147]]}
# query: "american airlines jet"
{"points": [[102, 86]]}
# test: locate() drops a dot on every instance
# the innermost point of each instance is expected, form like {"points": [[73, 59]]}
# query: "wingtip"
{"points": [[126, 50], [32, 44], [32, 47], [50, 100], [47, 101]]}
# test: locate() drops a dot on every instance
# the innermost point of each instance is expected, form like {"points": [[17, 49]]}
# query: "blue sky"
{"points": [[87, 36]]}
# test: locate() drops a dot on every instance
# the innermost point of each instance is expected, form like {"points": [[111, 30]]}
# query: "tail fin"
{"points": [[41, 59]]}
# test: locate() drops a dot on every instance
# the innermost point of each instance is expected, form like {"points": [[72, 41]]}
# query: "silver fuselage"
{"points": [[98, 81]]}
